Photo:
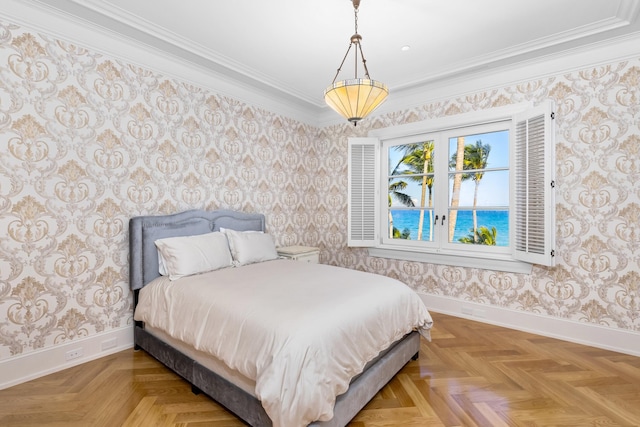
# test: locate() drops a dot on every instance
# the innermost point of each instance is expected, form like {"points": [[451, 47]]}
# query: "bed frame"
{"points": [[144, 230]]}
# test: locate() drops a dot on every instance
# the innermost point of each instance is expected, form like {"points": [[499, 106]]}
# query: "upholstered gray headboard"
{"points": [[145, 230]]}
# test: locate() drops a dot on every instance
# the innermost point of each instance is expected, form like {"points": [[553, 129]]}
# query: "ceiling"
{"points": [[293, 48]]}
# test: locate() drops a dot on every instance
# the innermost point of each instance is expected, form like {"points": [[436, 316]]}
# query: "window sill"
{"points": [[494, 262]]}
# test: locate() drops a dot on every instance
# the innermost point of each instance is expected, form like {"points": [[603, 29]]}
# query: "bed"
{"points": [[228, 361]]}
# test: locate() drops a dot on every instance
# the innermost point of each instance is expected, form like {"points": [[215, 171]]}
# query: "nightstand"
{"points": [[300, 253]]}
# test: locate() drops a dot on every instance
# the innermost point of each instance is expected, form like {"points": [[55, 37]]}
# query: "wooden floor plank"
{"points": [[470, 374]]}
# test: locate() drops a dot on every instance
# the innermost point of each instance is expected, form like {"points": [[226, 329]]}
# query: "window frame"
{"points": [[384, 209], [457, 256]]}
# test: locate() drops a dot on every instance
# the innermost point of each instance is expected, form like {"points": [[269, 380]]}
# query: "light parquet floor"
{"points": [[471, 374]]}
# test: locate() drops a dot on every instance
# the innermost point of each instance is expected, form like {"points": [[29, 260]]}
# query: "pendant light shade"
{"points": [[355, 98]]}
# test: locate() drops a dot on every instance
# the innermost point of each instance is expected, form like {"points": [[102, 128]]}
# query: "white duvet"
{"points": [[300, 330]]}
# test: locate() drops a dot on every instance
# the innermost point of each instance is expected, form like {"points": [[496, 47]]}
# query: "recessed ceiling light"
{"points": [[405, 48]]}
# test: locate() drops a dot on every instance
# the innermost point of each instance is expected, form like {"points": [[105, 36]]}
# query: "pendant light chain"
{"points": [[359, 43], [355, 12], [355, 99], [357, 39]]}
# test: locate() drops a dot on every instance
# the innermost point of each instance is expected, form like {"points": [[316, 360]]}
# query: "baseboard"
{"points": [[23, 368], [619, 340]]}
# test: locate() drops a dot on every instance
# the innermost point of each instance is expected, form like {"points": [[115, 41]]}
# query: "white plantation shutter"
{"points": [[533, 236], [363, 191]]}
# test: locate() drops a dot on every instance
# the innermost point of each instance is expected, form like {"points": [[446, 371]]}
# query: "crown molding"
{"points": [[622, 48], [110, 15], [145, 46], [133, 46]]}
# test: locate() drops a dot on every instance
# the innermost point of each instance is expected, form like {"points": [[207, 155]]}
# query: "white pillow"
{"points": [[161, 268], [231, 247], [224, 230], [187, 255], [251, 247]]}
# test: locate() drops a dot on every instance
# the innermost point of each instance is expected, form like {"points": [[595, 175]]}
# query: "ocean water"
{"points": [[464, 223]]}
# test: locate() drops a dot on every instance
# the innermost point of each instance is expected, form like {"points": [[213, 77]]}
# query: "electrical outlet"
{"points": [[111, 343], [479, 313], [73, 354]]}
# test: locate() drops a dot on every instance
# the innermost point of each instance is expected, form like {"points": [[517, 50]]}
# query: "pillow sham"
{"points": [[188, 255], [224, 230], [251, 247]]}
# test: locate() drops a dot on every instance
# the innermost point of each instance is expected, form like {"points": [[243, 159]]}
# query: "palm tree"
{"points": [[481, 236], [405, 234], [395, 192], [457, 162], [475, 161], [419, 159]]}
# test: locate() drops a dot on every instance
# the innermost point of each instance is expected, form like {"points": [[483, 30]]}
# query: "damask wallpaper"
{"points": [[597, 274], [87, 141]]}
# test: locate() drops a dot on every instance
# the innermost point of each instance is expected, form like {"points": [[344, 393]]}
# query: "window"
{"points": [[473, 190]]}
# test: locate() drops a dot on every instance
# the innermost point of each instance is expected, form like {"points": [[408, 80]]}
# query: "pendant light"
{"points": [[355, 98]]}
